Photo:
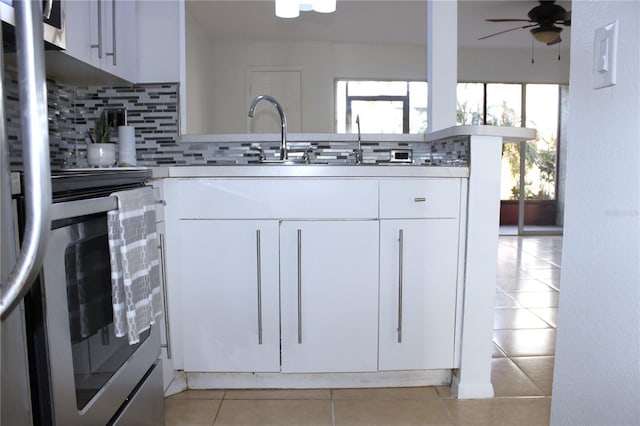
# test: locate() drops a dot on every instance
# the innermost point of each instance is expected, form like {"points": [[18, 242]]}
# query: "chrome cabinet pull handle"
{"points": [[163, 265], [35, 136], [48, 7], [299, 286], [420, 199], [259, 284], [113, 33], [400, 261], [99, 45]]}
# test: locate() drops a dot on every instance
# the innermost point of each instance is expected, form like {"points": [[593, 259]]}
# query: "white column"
{"points": [[442, 63], [473, 379]]}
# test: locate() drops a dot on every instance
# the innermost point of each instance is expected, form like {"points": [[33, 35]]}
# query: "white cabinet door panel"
{"points": [[278, 199], [120, 38], [329, 292], [103, 34], [226, 297], [419, 198], [417, 331]]}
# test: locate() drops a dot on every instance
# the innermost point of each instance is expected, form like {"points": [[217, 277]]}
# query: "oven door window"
{"points": [[97, 352]]}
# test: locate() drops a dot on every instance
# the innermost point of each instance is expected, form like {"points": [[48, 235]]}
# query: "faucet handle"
{"points": [[261, 155], [307, 154], [359, 155]]}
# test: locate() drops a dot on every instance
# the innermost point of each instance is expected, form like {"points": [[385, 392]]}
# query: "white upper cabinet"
{"points": [[159, 36], [103, 34]]}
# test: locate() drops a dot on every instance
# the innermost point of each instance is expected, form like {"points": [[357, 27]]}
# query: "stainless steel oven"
{"points": [[81, 373]]}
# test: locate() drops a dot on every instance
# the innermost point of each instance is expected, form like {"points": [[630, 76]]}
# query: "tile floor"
{"points": [[524, 345]]}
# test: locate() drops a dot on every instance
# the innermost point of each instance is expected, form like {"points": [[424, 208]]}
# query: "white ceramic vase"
{"points": [[101, 154]]}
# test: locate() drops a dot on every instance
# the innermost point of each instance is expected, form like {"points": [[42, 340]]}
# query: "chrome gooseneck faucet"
{"points": [[284, 155]]}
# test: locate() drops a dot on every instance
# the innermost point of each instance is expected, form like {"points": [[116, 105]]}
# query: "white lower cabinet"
{"points": [[329, 293], [418, 285], [230, 295], [324, 302], [316, 276]]}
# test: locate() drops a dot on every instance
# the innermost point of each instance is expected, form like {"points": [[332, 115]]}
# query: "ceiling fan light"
{"points": [[546, 35], [324, 6], [287, 8], [306, 6]]}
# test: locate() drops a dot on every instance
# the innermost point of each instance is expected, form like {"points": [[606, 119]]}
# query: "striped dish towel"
{"points": [[135, 263]]}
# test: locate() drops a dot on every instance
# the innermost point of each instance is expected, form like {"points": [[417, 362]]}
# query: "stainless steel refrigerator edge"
{"points": [[18, 269], [15, 406]]}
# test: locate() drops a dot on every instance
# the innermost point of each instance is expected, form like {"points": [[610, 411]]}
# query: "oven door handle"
{"points": [[77, 208], [35, 136]]}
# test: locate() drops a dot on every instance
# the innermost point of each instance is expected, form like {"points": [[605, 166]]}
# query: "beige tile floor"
{"points": [[524, 345]]}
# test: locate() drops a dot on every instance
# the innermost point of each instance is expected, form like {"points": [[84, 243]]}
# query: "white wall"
{"points": [[508, 65], [217, 73], [321, 64], [597, 370], [198, 74]]}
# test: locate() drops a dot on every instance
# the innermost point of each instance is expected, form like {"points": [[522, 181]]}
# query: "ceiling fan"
{"points": [[543, 19]]}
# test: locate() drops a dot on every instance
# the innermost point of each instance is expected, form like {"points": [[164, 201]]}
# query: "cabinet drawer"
{"points": [[277, 199], [419, 198]]}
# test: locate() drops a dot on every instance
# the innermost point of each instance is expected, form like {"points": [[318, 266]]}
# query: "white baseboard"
{"points": [[178, 384], [471, 390], [320, 380]]}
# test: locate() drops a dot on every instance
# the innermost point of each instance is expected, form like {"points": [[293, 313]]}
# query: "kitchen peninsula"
{"points": [[336, 275]]}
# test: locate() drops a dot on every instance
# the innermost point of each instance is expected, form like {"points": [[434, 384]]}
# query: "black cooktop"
{"points": [[71, 184], [83, 183], [70, 180]]}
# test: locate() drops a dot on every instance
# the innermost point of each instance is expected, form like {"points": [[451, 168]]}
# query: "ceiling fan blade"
{"points": [[509, 20], [506, 31]]}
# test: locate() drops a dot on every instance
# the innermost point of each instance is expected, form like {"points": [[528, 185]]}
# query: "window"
{"points": [[542, 106], [501, 104], [401, 107], [381, 106], [470, 105]]}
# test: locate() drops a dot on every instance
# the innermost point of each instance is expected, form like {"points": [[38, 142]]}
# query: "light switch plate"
{"points": [[605, 46]]}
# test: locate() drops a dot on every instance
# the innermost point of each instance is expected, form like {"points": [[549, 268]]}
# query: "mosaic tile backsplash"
{"points": [[152, 109]]}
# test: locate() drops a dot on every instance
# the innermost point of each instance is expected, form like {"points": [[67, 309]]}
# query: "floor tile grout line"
{"points": [[333, 410], [531, 378], [215, 418], [446, 409]]}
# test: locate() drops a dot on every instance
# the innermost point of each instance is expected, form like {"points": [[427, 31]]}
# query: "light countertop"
{"points": [[302, 171], [508, 134]]}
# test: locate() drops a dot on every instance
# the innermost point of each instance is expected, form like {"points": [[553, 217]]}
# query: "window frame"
{"points": [[405, 99]]}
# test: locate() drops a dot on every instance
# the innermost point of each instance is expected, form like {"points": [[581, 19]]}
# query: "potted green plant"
{"points": [[101, 152]]}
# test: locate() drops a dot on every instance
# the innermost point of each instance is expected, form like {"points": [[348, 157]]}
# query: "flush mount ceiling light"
{"points": [[292, 8], [547, 35]]}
